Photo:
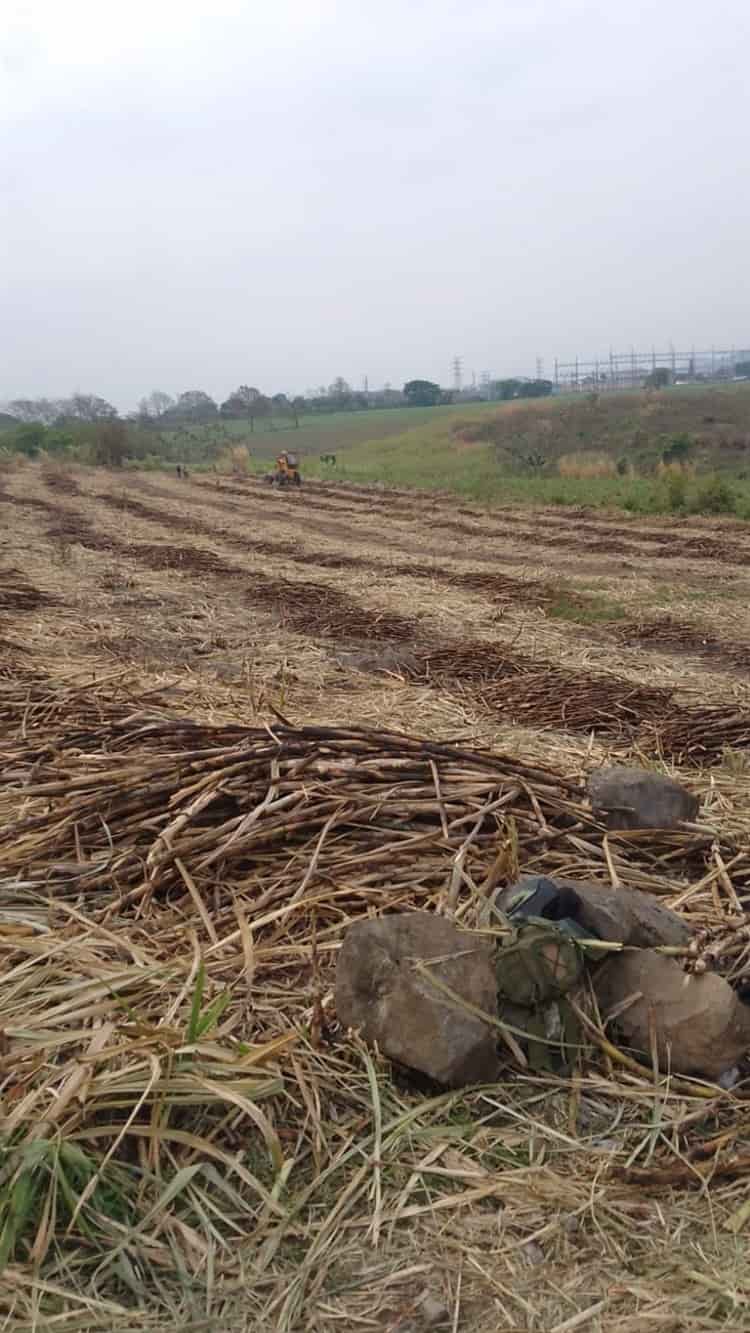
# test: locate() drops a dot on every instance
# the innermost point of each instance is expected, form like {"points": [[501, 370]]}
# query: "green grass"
{"points": [[325, 432], [428, 458], [436, 455], [480, 451], [595, 610]]}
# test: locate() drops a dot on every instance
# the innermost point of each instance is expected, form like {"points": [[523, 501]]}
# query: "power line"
{"points": [[629, 370]]}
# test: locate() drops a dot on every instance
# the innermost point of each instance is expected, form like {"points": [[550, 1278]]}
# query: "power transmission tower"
{"points": [[539, 368], [457, 373]]}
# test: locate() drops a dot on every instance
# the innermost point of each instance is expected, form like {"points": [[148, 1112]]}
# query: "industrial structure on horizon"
{"points": [[631, 370]]}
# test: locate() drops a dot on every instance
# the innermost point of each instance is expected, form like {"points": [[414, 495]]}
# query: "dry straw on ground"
{"points": [[188, 1134], [189, 1140]]}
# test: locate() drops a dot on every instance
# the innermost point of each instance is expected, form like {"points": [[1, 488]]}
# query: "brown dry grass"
{"points": [[234, 461], [178, 872], [584, 463]]}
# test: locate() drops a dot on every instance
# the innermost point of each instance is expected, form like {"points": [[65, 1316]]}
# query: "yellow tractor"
{"points": [[287, 471]]}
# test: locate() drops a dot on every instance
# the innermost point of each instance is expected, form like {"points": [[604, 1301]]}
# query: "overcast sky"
{"points": [[201, 193]]}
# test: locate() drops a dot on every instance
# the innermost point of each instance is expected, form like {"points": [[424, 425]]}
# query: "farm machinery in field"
{"points": [[287, 471]]}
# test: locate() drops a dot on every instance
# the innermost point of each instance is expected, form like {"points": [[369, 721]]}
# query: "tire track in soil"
{"points": [[605, 539], [561, 520], [694, 546]]}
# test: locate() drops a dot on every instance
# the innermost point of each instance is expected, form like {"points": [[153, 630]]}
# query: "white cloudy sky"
{"points": [[197, 193]]}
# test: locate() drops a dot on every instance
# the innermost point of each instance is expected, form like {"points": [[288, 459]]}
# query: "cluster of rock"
{"points": [[439, 999]]}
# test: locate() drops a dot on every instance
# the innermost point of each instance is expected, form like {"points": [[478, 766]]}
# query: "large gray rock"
{"points": [[379, 991], [699, 1025], [634, 918], [631, 798], [627, 916]]}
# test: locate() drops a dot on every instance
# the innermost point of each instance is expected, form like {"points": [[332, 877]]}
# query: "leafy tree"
{"points": [[195, 405], [506, 389], [233, 407], [515, 388], [659, 378], [57, 440], [286, 407], [678, 450], [110, 443], [743, 368], [340, 394], [46, 410], [246, 403], [88, 407], [422, 393], [29, 437], [22, 409], [536, 389], [241, 402], [155, 405]]}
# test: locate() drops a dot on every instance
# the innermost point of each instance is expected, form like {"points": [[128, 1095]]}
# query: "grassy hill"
{"points": [[683, 447], [637, 450], [325, 432]]}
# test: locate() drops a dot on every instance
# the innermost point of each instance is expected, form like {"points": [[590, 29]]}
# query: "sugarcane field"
{"points": [[375, 909]]}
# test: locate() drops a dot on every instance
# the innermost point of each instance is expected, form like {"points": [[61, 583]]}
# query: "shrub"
{"points": [[659, 378], [676, 489], [714, 497], [58, 441], [110, 444], [234, 461], [29, 438], [240, 455], [585, 463], [678, 450], [638, 503]]}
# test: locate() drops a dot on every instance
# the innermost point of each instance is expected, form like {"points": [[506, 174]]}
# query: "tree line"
{"points": [[249, 403], [196, 405]]}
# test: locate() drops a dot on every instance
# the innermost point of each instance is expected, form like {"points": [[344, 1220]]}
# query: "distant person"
{"points": [[179, 470]]}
